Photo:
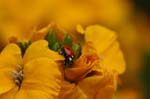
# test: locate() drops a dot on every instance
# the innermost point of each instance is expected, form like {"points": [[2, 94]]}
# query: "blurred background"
{"points": [[129, 18]]}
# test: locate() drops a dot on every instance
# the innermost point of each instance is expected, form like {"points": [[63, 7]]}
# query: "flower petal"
{"points": [[75, 74], [40, 49], [81, 67], [100, 36], [41, 34], [80, 29], [113, 59], [10, 58], [33, 94], [10, 94], [103, 86], [6, 82], [42, 80], [104, 40], [71, 91]]}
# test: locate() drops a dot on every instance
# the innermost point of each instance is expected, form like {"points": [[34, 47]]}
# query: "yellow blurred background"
{"points": [[129, 18]]}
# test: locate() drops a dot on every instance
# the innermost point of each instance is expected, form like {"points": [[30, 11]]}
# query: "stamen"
{"points": [[18, 75]]}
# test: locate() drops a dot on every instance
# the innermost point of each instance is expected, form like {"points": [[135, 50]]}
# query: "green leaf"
{"points": [[51, 38], [56, 46], [67, 40], [23, 46], [77, 50]]}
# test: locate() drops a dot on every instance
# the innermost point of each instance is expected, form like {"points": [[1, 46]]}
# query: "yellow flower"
{"points": [[94, 74], [104, 41], [84, 65], [35, 76]]}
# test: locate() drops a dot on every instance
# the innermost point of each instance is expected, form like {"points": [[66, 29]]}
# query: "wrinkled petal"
{"points": [[113, 58], [40, 49], [6, 82], [42, 80], [84, 64], [41, 34], [75, 74], [105, 93], [88, 48], [10, 94], [81, 67], [80, 29], [100, 36], [10, 58], [71, 91], [33, 94], [104, 40], [103, 86]]}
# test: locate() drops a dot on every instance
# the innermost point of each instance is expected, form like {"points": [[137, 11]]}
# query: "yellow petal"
{"points": [[10, 94], [104, 40], [42, 80], [88, 48], [10, 58], [40, 49], [71, 91], [91, 82], [75, 74], [81, 67], [105, 93], [6, 82], [113, 58], [33, 94], [100, 36], [108, 90], [41, 34], [80, 29], [102, 86]]}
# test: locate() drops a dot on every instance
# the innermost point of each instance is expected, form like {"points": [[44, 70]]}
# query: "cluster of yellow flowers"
{"points": [[40, 74]]}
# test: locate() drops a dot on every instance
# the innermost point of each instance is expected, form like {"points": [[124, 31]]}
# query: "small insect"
{"points": [[69, 55]]}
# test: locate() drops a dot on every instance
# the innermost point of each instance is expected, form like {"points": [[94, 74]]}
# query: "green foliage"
{"points": [[67, 40], [56, 46], [24, 45], [77, 50], [52, 39]]}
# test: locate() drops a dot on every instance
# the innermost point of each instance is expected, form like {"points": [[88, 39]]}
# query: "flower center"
{"points": [[18, 75]]}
